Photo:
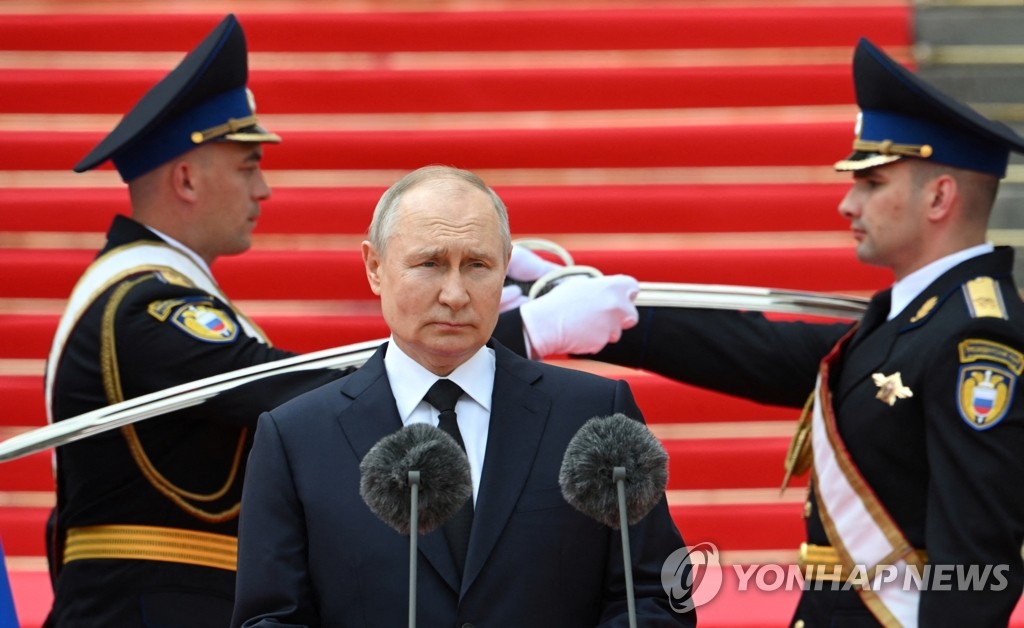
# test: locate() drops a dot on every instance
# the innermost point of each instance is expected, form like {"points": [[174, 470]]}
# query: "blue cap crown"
{"points": [[903, 116], [203, 99]]}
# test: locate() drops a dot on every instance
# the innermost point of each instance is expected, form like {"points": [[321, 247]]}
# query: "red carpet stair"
{"points": [[675, 141]]}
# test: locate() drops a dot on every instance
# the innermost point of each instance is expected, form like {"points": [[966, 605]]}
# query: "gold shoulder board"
{"points": [[984, 300]]}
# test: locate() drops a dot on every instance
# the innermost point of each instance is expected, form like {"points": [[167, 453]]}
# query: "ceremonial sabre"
{"points": [[178, 397], [651, 294], [722, 297]]}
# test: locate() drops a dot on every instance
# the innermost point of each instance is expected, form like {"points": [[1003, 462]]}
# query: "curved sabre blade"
{"points": [[178, 397], [194, 393], [723, 297]]}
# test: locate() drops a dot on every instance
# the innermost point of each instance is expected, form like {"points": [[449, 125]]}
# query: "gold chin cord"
{"points": [[651, 294]]}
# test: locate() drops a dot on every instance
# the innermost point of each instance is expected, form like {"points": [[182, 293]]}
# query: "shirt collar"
{"points": [[410, 380], [184, 249], [907, 289]]}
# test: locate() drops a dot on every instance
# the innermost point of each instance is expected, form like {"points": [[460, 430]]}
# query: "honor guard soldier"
{"points": [[914, 432], [144, 532], [145, 527]]}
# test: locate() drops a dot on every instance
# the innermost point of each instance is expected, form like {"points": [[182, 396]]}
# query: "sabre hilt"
{"points": [[547, 283], [546, 246]]}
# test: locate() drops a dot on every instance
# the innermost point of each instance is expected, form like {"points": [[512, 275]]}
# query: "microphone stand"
{"points": [[619, 477], [414, 532]]}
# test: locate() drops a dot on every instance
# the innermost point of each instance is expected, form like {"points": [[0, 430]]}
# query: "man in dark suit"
{"points": [[144, 530], [915, 430], [311, 552]]}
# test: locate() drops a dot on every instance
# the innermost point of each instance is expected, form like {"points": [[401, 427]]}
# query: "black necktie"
{"points": [[443, 395]]}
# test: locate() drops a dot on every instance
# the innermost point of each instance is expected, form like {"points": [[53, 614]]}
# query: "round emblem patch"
{"points": [[984, 394], [204, 321]]}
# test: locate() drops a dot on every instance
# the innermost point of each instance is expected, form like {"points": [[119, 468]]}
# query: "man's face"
{"points": [[230, 188], [440, 275], [886, 210]]}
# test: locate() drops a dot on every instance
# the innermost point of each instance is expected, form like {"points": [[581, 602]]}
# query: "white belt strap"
{"points": [[857, 524], [111, 268]]}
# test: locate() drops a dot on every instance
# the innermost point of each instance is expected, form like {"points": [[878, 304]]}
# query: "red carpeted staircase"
{"points": [[672, 140]]}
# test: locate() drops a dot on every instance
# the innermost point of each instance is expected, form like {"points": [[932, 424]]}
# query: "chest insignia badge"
{"points": [[891, 388]]}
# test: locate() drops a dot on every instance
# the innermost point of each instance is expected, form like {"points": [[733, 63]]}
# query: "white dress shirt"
{"points": [[410, 381]]}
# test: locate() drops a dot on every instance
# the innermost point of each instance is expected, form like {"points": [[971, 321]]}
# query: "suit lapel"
{"points": [[371, 413], [519, 414], [370, 416]]}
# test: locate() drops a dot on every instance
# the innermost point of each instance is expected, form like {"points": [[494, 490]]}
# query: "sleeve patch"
{"points": [[986, 382], [198, 317], [979, 350], [984, 394], [161, 310], [984, 299]]}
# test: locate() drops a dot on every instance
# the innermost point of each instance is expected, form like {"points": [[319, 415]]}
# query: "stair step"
{"points": [[311, 91], [318, 275], [476, 149], [295, 326], [742, 526], [697, 464], [663, 401], [31, 473], [23, 530], [532, 209], [23, 400], [548, 29], [727, 463], [729, 526], [29, 337]]}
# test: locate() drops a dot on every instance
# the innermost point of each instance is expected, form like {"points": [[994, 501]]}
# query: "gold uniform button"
{"points": [[807, 509], [798, 623]]}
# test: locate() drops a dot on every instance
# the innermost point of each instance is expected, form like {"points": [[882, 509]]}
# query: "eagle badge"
{"points": [[891, 388], [205, 321]]}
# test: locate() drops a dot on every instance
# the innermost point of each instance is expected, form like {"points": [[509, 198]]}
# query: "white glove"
{"points": [[526, 266], [581, 315], [512, 297]]}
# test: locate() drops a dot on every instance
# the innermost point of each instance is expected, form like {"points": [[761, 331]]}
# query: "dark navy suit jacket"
{"points": [[311, 553]]}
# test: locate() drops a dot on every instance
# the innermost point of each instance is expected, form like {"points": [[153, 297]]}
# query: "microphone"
{"points": [[444, 481], [602, 444], [414, 480], [615, 471]]}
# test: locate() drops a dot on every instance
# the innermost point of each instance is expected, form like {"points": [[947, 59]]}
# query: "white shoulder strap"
{"points": [[112, 267]]}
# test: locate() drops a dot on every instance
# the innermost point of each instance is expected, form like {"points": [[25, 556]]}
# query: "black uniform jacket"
{"points": [[953, 488], [182, 471]]}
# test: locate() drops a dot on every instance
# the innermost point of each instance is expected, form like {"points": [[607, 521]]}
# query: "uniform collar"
{"points": [[910, 287]]}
